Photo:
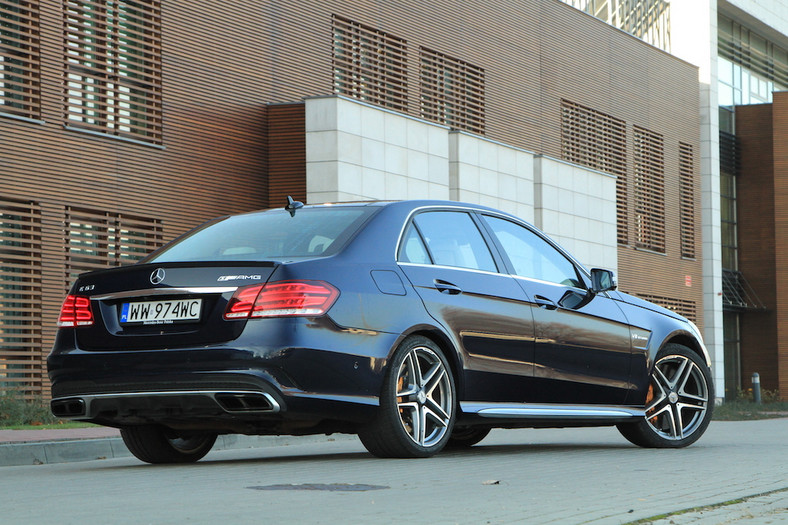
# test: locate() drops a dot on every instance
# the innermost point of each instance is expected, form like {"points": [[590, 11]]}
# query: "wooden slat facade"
{"points": [[286, 153], [756, 239], [226, 67], [762, 213]]}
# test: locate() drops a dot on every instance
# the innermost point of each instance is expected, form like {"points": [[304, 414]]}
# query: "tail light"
{"points": [[76, 311], [281, 299]]}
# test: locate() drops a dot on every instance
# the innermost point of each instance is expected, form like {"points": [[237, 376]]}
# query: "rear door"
{"points": [[455, 273]]}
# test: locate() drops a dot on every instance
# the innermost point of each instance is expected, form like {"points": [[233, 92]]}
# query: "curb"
{"points": [[71, 451]]}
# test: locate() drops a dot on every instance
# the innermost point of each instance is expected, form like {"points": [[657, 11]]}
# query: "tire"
{"points": [[417, 403], [156, 444], [464, 437], [679, 403]]}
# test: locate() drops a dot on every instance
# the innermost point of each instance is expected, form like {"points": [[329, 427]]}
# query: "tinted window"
{"points": [[454, 240], [531, 255], [272, 234]]}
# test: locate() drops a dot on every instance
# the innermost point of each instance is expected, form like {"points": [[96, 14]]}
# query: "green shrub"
{"points": [[15, 410]]}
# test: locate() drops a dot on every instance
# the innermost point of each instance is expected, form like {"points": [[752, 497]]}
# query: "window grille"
{"points": [[112, 56], [682, 307], [97, 240], [649, 189], [452, 91], [369, 64], [20, 91], [599, 141], [21, 356], [687, 200]]}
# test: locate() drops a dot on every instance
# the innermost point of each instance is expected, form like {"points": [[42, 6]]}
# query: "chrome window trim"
{"points": [[493, 213], [486, 272]]}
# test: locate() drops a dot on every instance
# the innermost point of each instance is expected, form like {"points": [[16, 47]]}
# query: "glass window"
{"points": [[412, 249], [311, 232], [532, 256], [454, 240]]}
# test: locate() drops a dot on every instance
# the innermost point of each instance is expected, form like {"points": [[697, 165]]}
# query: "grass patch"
{"points": [[745, 410]]}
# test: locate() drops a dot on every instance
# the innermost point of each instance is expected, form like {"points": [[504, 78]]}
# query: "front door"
{"points": [[582, 349]]}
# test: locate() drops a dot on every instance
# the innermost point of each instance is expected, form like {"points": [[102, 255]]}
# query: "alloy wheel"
{"points": [[678, 398], [424, 396]]}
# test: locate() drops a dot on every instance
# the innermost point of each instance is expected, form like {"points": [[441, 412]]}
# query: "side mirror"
{"points": [[603, 280]]}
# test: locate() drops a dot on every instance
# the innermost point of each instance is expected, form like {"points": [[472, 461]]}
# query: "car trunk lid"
{"points": [[162, 305]]}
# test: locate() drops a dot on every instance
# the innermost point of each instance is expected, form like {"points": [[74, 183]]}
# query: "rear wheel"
{"points": [[464, 437], [157, 444], [679, 402], [417, 403]]}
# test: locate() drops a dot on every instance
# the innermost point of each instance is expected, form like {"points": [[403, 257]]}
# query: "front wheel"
{"points": [[157, 444], [679, 402], [417, 403]]}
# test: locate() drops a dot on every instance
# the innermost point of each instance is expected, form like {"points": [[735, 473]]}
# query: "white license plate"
{"points": [[161, 312]]}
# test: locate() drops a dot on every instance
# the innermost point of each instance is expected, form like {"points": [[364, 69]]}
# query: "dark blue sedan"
{"points": [[415, 325]]}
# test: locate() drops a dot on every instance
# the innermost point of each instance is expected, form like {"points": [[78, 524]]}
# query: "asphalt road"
{"points": [[513, 476]]}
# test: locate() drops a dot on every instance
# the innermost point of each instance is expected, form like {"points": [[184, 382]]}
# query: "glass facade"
{"points": [[648, 20], [749, 67]]}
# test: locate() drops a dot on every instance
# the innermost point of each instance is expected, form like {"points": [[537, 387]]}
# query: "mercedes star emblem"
{"points": [[157, 276]]}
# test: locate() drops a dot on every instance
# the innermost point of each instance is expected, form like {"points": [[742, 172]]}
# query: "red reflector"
{"points": [[282, 299], [76, 311]]}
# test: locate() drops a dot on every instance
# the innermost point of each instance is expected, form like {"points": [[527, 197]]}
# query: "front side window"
{"points": [[531, 255], [453, 239]]}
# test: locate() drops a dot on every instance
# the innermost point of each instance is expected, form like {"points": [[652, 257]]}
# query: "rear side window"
{"points": [[452, 239], [274, 234]]}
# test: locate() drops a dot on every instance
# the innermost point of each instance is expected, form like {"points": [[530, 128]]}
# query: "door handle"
{"points": [[544, 302], [447, 287]]}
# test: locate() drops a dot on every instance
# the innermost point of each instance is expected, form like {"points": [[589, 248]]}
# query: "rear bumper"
{"points": [[293, 386], [239, 402]]}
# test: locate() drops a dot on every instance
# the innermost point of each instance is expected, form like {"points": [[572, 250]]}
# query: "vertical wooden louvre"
{"points": [[369, 64], [649, 189], [286, 153], [112, 63], [20, 91], [21, 355], [452, 91], [687, 200], [96, 240], [599, 141]]}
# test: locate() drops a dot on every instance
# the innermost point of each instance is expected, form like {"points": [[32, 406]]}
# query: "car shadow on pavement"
{"points": [[257, 456]]}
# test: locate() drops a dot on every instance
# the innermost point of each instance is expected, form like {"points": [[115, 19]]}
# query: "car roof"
{"points": [[408, 204]]}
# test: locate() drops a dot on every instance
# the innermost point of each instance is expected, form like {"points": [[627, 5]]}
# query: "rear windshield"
{"points": [[273, 234]]}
